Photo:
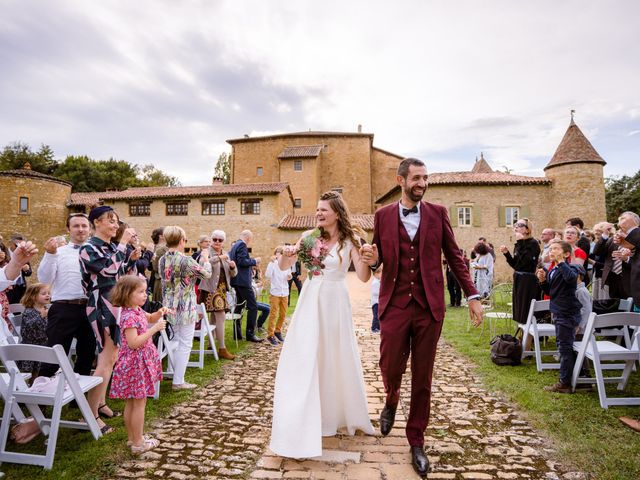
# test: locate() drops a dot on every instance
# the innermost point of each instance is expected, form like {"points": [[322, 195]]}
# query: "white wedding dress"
{"points": [[319, 385]]}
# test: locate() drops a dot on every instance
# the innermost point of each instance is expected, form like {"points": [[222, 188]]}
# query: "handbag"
{"points": [[506, 350]]}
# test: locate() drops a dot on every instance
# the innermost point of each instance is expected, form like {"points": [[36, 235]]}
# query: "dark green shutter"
{"points": [[476, 216], [453, 215], [525, 212], [502, 216]]}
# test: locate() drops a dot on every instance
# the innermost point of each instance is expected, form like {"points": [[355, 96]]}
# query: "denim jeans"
{"points": [[375, 322], [565, 336]]}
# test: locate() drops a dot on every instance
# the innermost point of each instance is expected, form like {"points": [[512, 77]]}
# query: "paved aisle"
{"points": [[224, 431]]}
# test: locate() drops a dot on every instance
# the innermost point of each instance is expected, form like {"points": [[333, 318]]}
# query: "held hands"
{"points": [[475, 312], [369, 254]]}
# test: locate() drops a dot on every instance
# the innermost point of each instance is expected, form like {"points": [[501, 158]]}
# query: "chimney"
{"points": [[359, 128], [217, 181], [26, 166]]}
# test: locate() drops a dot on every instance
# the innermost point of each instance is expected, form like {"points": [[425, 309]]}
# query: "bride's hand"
{"points": [[369, 254]]}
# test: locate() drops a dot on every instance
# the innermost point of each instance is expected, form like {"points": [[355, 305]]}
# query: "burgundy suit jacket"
{"points": [[436, 237]]}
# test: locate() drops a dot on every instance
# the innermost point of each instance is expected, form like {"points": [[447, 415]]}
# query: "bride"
{"points": [[319, 386]]}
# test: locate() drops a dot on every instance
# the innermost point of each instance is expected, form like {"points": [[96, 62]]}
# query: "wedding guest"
{"points": [[34, 323], [584, 297], [160, 248], [68, 313], [579, 256], [138, 368], [15, 294], [560, 284], [242, 283], [296, 271], [278, 296], [599, 288], [582, 241], [178, 275], [213, 290], [483, 265], [524, 262], [612, 270], [4, 300], [102, 263], [10, 270], [546, 236]]}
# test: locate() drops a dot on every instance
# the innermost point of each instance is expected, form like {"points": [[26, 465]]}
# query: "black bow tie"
{"points": [[407, 211], [76, 247]]}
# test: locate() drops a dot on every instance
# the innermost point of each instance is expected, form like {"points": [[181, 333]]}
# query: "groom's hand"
{"points": [[475, 312], [369, 254]]}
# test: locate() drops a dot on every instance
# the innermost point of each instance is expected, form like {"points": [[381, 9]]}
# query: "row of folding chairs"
{"points": [[596, 346]]}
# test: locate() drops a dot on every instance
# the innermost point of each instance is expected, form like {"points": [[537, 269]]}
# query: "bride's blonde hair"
{"points": [[346, 229]]}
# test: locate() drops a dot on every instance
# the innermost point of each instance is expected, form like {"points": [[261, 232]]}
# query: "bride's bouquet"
{"points": [[312, 252]]}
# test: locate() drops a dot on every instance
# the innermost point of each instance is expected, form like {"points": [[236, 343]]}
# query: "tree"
{"points": [[223, 167], [87, 175], [16, 154], [150, 176], [622, 194]]}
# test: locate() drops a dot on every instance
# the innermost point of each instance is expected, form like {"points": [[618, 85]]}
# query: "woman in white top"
{"points": [[483, 265]]}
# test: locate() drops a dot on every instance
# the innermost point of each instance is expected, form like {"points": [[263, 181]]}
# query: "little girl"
{"points": [[34, 322], [138, 367]]}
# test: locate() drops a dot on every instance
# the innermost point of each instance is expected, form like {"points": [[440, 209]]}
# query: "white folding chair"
{"points": [[202, 334], [165, 349], [7, 339], [16, 322], [625, 305], [537, 330], [233, 306], [497, 309], [69, 387], [16, 308], [599, 351]]}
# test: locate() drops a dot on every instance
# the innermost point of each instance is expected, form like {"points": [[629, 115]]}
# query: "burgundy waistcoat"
{"points": [[408, 284]]}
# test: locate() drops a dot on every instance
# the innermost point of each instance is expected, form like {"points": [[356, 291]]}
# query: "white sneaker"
{"points": [[185, 386]]}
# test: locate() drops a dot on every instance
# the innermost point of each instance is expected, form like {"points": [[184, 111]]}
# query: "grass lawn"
{"points": [[78, 456], [588, 437]]}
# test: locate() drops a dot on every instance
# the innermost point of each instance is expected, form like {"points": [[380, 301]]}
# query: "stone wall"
{"points": [[383, 173]]}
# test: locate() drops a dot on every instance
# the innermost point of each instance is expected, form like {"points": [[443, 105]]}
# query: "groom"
{"points": [[409, 238]]}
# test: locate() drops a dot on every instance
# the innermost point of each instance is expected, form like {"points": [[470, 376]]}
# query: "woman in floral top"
{"points": [[101, 264], [178, 274]]}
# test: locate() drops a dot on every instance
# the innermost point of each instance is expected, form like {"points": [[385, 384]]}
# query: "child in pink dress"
{"points": [[138, 367]]}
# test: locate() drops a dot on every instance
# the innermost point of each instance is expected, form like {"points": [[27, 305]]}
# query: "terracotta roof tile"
{"points": [[167, 192], [27, 172], [575, 148], [470, 178], [298, 135], [301, 151], [306, 222]]}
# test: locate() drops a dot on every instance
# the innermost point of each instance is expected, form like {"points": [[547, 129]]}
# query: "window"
{"points": [[213, 208], [259, 171], [337, 189], [24, 204], [178, 208], [464, 216], [511, 215], [250, 207], [297, 165], [139, 209], [297, 203]]}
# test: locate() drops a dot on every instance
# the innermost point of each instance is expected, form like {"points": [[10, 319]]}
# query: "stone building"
{"points": [[32, 204]]}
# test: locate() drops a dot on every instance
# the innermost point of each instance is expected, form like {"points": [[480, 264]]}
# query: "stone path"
{"points": [[223, 431]]}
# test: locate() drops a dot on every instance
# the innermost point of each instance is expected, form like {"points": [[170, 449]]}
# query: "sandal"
{"points": [[114, 414], [145, 437], [105, 429], [147, 444]]}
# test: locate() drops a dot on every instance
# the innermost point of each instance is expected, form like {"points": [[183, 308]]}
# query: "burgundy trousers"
{"points": [[403, 331]]}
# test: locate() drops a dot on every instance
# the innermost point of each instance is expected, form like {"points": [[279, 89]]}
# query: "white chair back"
{"points": [[532, 331]]}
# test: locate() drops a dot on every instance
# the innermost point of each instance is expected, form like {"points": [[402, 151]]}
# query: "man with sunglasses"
{"points": [[67, 318]]}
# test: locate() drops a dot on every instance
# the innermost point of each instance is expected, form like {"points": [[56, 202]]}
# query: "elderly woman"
{"points": [[213, 291], [178, 274], [524, 262], [571, 236], [483, 265]]}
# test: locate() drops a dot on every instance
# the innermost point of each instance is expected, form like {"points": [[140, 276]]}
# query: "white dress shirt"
{"points": [[279, 283], [4, 282], [411, 222], [62, 271]]}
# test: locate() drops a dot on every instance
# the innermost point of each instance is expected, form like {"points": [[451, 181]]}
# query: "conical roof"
{"points": [[481, 166], [574, 148]]}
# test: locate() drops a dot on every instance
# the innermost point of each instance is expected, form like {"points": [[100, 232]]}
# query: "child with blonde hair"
{"points": [[138, 367], [34, 322]]}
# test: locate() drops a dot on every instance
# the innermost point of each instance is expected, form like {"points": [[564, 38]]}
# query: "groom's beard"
{"points": [[414, 194]]}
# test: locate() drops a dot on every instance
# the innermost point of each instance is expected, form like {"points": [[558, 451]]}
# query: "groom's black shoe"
{"points": [[387, 417], [420, 461]]}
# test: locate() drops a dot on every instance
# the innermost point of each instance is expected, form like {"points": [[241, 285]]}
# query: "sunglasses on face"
{"points": [[520, 225], [217, 240]]}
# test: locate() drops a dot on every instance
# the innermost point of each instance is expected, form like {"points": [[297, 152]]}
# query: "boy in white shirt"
{"points": [[278, 297], [375, 294]]}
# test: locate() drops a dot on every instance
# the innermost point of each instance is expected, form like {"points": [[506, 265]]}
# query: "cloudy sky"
{"points": [[168, 82]]}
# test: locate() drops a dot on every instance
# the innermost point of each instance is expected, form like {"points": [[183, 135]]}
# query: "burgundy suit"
{"points": [[411, 304]]}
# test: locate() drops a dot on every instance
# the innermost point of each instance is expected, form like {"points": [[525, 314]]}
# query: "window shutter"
{"points": [[502, 216], [453, 216], [476, 216], [525, 212]]}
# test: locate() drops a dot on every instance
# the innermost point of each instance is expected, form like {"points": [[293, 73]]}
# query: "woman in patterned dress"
{"points": [[179, 273], [102, 263], [138, 368], [213, 291]]}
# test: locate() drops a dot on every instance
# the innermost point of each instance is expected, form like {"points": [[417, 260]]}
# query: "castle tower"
{"points": [[576, 170]]}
